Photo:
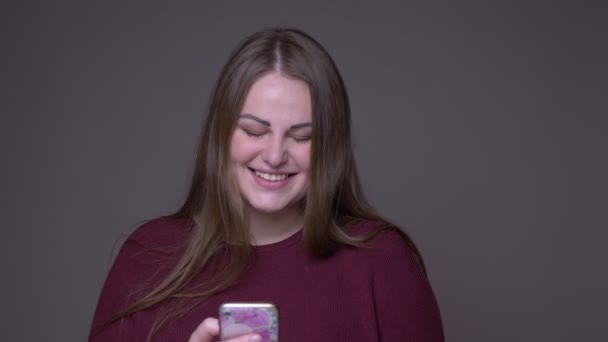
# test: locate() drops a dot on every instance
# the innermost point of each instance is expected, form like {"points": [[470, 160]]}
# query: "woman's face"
{"points": [[270, 147]]}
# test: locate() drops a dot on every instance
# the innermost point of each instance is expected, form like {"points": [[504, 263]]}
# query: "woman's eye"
{"points": [[253, 134], [301, 139]]}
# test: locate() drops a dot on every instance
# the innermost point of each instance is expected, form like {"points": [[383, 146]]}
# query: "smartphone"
{"points": [[244, 318]]}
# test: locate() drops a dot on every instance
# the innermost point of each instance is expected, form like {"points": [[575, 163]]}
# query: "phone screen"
{"points": [[243, 318]]}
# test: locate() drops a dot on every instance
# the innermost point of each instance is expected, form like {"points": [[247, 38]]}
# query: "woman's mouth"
{"points": [[271, 177]]}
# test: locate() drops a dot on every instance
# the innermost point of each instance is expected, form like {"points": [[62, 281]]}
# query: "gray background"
{"points": [[480, 127]]}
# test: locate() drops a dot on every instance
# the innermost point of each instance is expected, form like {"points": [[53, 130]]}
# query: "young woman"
{"points": [[275, 213]]}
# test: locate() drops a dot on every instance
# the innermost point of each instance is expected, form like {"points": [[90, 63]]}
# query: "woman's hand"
{"points": [[210, 328]]}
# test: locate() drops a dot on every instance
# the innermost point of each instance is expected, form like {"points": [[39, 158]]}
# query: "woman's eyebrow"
{"points": [[267, 123], [302, 125], [255, 118]]}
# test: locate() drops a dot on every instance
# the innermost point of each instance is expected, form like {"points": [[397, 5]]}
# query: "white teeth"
{"points": [[269, 177]]}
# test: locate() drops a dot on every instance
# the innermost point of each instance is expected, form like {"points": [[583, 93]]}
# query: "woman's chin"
{"points": [[267, 206], [270, 210]]}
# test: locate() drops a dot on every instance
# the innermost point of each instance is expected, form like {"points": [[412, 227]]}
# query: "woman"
{"points": [[275, 213]]}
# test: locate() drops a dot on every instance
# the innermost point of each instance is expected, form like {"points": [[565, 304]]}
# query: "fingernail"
{"points": [[255, 338]]}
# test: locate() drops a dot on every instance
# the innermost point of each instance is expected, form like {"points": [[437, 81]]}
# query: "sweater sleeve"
{"points": [[406, 308], [139, 265]]}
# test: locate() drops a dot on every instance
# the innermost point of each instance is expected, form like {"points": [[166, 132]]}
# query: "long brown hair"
{"points": [[334, 201]]}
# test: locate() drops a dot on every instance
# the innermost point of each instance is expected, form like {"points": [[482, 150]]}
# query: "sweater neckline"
{"points": [[287, 242], [293, 239]]}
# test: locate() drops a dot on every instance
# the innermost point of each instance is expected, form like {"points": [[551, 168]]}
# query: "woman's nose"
{"points": [[275, 153]]}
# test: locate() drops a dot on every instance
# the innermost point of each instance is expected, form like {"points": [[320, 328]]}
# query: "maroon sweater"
{"points": [[358, 294]]}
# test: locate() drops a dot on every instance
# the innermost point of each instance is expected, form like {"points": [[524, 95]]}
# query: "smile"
{"points": [[271, 177]]}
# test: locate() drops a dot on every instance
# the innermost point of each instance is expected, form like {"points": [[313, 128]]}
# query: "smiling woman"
{"points": [[270, 155], [275, 213]]}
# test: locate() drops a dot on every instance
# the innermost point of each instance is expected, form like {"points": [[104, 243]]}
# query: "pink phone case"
{"points": [[243, 318]]}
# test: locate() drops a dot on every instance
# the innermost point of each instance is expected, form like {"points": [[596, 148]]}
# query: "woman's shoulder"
{"points": [[377, 232], [385, 242], [161, 233], [404, 302], [155, 244]]}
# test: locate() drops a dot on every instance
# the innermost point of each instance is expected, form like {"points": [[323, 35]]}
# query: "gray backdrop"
{"points": [[481, 128]]}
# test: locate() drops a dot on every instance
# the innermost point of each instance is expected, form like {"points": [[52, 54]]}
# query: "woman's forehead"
{"points": [[275, 99]]}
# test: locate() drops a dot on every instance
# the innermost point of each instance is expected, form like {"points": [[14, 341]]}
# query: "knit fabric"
{"points": [[374, 293]]}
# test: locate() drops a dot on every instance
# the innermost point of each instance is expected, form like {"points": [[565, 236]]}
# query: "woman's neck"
{"points": [[268, 228]]}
